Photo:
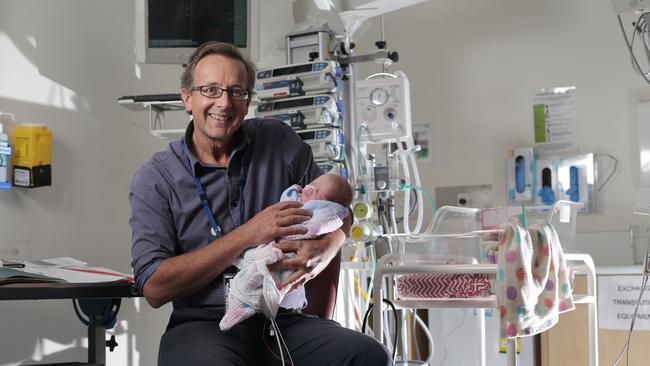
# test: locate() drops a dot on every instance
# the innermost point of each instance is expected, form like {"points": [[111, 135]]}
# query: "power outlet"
{"points": [[462, 200]]}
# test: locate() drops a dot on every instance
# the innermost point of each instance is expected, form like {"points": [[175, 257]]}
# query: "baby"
{"points": [[254, 288]]}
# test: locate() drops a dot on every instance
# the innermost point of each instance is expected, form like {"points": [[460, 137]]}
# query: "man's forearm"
{"points": [[188, 273]]}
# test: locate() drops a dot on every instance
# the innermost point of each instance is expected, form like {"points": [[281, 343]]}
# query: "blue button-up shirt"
{"points": [[167, 218]]}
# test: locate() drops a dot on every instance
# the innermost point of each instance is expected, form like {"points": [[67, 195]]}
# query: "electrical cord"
{"points": [[640, 28], [604, 183], [644, 281], [336, 83], [412, 205], [280, 340], [426, 192], [415, 326], [448, 333], [365, 321], [108, 315], [425, 329]]}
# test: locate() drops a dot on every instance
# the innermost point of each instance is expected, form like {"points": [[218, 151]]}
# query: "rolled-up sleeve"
{"points": [[153, 231]]}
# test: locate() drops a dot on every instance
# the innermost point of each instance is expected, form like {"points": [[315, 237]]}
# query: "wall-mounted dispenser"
{"points": [[554, 177], [577, 175], [545, 189], [520, 172]]}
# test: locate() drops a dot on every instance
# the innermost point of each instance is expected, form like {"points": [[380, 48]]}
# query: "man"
{"points": [[201, 203]]}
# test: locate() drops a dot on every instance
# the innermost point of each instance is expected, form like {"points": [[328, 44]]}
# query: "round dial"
{"points": [[379, 96], [361, 210], [357, 232]]}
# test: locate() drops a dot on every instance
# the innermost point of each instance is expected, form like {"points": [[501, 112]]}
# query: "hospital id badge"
{"points": [[227, 276]]}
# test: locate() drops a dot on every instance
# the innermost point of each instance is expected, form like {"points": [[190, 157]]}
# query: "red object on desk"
{"points": [[128, 279]]}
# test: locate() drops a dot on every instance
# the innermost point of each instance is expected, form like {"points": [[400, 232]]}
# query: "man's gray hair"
{"points": [[217, 48]]}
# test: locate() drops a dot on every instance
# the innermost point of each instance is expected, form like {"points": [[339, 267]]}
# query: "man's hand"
{"points": [[312, 256], [275, 221]]}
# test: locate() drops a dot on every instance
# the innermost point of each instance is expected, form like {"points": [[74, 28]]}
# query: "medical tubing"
{"points": [[277, 338], [427, 333], [644, 281], [281, 339], [361, 177], [635, 62], [268, 347], [358, 147], [410, 145], [391, 211], [404, 334], [604, 183], [107, 318], [382, 214], [373, 262], [348, 294], [432, 201], [407, 180], [626, 345], [411, 206], [365, 321], [418, 354]]}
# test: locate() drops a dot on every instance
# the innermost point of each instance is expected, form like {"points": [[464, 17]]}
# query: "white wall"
{"points": [[474, 68], [65, 63]]}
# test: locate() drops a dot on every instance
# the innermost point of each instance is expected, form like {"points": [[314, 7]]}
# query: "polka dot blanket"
{"points": [[532, 284]]}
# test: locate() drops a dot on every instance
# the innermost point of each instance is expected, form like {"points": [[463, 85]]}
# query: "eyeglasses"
{"points": [[212, 91]]}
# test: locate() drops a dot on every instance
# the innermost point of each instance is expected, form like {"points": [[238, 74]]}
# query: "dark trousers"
{"points": [[193, 338]]}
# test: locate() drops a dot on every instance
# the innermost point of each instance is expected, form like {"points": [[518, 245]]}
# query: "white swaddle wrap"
{"points": [[254, 288]]}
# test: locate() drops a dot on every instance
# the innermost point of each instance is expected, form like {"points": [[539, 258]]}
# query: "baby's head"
{"points": [[328, 187]]}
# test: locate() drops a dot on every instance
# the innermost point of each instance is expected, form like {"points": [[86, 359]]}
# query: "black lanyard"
{"points": [[215, 228]]}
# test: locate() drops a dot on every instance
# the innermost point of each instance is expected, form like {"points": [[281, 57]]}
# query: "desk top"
{"points": [[59, 290]]}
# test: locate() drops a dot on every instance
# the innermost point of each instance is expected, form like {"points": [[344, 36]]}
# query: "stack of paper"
{"points": [[65, 269], [11, 275]]}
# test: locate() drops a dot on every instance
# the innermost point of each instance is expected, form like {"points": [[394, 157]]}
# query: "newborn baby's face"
{"points": [[310, 192]]}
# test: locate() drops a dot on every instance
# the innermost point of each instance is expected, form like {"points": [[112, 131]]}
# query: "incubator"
{"points": [[452, 264]]}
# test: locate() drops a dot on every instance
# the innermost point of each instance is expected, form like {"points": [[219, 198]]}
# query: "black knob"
{"points": [[394, 56], [352, 45], [313, 56], [111, 344], [380, 44]]}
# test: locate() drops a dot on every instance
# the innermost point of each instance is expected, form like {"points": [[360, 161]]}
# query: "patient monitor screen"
{"points": [[189, 23]]}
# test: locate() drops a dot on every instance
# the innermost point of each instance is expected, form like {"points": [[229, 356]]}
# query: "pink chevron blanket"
{"points": [[439, 286], [435, 286]]}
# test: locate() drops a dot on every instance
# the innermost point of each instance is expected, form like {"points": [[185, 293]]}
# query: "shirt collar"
{"points": [[240, 141]]}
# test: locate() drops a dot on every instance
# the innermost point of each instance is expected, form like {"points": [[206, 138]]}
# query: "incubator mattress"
{"points": [[434, 286]]}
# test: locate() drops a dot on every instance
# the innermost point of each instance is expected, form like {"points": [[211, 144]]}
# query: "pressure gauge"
{"points": [[361, 210], [379, 96], [365, 232]]}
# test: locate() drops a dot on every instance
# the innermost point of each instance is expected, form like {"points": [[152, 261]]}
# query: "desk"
{"points": [[100, 302]]}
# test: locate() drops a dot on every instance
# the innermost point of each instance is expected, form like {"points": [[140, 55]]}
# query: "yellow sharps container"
{"points": [[32, 155]]}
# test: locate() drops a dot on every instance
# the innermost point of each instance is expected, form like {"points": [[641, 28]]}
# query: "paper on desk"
{"points": [[57, 262], [74, 271]]}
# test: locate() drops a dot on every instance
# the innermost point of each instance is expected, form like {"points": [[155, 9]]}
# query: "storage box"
{"points": [[32, 156]]}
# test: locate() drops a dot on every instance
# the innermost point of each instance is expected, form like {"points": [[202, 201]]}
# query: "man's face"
{"points": [[217, 119]]}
